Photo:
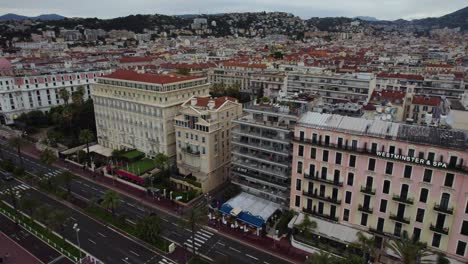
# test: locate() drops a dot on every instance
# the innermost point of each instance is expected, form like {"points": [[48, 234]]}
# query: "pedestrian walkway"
{"points": [[53, 174], [18, 188], [165, 261], [201, 236]]}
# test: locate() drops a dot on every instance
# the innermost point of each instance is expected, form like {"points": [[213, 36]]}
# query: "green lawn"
{"points": [[139, 167], [133, 154]]}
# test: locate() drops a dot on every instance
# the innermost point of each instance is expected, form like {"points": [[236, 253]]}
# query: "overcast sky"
{"points": [[381, 9]]}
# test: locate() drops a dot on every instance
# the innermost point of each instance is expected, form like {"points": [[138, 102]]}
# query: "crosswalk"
{"points": [[201, 236], [53, 173], [17, 188], [165, 261]]}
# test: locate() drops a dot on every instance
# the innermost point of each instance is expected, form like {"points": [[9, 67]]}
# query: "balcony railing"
{"points": [[367, 151], [365, 209], [319, 179], [399, 218], [320, 215], [191, 151], [439, 229], [323, 197], [443, 209], [368, 190], [402, 199]]}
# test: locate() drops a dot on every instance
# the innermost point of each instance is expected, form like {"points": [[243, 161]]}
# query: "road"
{"points": [[207, 242]]}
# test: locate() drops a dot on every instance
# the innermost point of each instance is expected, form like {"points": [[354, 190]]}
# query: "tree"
{"points": [[306, 225], [17, 142], [366, 245], [77, 96], [441, 259], [111, 201], [28, 205], [66, 178], [64, 94], [57, 219], [410, 250], [163, 163], [86, 136], [47, 156], [196, 216], [42, 214], [148, 228]]}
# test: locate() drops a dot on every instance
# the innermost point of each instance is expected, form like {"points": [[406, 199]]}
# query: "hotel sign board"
{"points": [[414, 160]]}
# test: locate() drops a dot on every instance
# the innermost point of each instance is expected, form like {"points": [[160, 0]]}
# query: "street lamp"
{"points": [[77, 230]]}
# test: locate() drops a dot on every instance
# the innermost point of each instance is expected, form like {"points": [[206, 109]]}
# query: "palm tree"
{"points": [[64, 94], [196, 216], [57, 220], [410, 250], [111, 200], [66, 178], [366, 245], [47, 156], [17, 142], [28, 205], [86, 136], [77, 96], [67, 115], [163, 163], [148, 228], [43, 213], [306, 225]]}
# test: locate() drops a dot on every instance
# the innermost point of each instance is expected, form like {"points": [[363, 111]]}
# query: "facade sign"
{"points": [[415, 160]]}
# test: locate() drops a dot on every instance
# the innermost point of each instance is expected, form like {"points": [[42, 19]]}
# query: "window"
{"points": [[427, 175], [327, 140], [449, 179], [416, 233], [374, 147], [389, 168], [346, 215], [423, 195], [464, 229], [297, 201], [178, 133], [461, 246], [408, 171], [420, 215], [421, 155], [397, 230], [386, 187], [338, 158], [383, 206], [371, 165], [352, 161], [411, 152], [313, 153], [299, 167], [300, 151], [436, 240], [298, 184], [351, 180], [325, 155], [380, 224], [431, 156], [301, 135], [391, 149], [348, 197], [466, 208], [364, 219]]}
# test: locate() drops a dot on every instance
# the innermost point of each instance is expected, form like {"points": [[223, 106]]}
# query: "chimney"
{"points": [[193, 102], [211, 104]]}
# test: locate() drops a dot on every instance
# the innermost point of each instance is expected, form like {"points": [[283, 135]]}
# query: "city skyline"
{"points": [[384, 10]]}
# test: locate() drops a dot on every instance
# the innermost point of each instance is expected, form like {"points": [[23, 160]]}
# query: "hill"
{"points": [[15, 17]]}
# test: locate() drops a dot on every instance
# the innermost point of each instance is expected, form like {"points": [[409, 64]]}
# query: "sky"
{"points": [[381, 9]]}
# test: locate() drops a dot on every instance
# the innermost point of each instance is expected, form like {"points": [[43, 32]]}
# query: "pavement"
{"points": [[23, 247], [135, 204]]}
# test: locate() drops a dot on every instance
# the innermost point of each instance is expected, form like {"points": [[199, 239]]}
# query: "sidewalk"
{"points": [[280, 248]]}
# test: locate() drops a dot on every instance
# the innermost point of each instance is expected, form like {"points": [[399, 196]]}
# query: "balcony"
{"points": [[439, 229], [443, 209], [367, 190], [399, 218], [191, 151], [402, 199], [322, 197], [320, 215], [365, 209], [317, 178]]}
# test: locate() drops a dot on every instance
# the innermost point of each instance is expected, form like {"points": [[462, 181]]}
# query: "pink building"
{"points": [[384, 178]]}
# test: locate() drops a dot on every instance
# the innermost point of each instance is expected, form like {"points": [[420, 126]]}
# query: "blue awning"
{"points": [[251, 219], [225, 209]]}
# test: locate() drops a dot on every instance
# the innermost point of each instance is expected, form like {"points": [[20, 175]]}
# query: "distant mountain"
{"points": [[458, 18], [15, 17], [367, 18]]}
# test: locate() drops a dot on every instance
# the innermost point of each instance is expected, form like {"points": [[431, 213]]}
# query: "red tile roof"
{"points": [[135, 59], [244, 65], [389, 96], [426, 100], [219, 101], [130, 75]]}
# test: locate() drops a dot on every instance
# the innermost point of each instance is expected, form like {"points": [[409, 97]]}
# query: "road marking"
{"points": [[175, 224], [266, 262], [220, 253], [134, 253], [221, 244], [101, 234], [141, 209], [129, 204], [91, 241], [190, 245], [186, 229], [72, 218], [204, 231], [124, 260], [86, 185], [196, 244], [199, 240], [130, 221], [164, 219], [203, 235], [231, 248], [250, 256]]}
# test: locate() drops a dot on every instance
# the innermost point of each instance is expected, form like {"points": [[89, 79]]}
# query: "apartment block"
{"points": [[235, 73], [383, 178], [203, 130], [137, 110]]}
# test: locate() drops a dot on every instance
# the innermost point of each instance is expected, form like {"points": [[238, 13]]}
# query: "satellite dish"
{"points": [[389, 117]]}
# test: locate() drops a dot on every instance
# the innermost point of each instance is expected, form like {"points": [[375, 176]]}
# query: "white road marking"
{"points": [[231, 248], [250, 256], [164, 219], [101, 234], [206, 232], [91, 241], [134, 253], [220, 253], [221, 244]]}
